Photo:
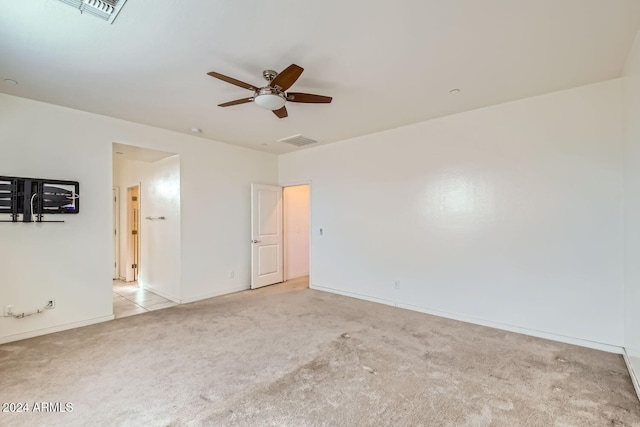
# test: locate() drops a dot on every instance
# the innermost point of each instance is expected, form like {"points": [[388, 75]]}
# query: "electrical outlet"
{"points": [[51, 304], [8, 310], [396, 284]]}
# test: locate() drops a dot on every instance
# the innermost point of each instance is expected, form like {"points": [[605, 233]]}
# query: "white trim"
{"points": [[50, 330], [351, 294], [632, 372], [220, 292], [162, 294], [116, 225], [525, 331]]}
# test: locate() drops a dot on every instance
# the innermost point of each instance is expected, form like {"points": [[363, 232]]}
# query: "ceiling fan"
{"points": [[274, 96]]}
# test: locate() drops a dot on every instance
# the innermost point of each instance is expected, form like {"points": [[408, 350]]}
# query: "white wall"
{"points": [[296, 231], [72, 262], [160, 241], [509, 215], [631, 133], [69, 262]]}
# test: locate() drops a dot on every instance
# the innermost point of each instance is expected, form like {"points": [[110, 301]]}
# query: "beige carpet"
{"points": [[287, 356]]}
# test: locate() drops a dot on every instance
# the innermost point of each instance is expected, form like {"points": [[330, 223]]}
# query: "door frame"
{"points": [[130, 273], [311, 234], [116, 232]]}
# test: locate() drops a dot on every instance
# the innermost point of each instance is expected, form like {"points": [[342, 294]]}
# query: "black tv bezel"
{"points": [[21, 195]]}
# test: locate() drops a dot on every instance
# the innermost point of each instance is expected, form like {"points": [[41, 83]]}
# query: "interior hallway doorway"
{"points": [[280, 233], [148, 242], [297, 222]]}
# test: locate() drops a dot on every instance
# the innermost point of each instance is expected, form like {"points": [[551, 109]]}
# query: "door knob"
{"points": [[255, 241]]}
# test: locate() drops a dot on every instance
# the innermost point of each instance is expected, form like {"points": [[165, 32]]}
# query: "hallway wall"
{"points": [[631, 133]]}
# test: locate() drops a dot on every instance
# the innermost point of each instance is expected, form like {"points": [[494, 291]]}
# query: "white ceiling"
{"points": [[386, 63], [139, 154]]}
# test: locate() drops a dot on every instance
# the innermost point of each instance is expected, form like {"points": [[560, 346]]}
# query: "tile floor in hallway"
{"points": [[129, 299]]}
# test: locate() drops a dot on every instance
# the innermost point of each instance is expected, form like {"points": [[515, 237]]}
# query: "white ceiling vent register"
{"points": [[105, 9], [298, 140]]}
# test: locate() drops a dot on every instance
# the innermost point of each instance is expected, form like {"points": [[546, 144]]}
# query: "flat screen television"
{"points": [[29, 199]]}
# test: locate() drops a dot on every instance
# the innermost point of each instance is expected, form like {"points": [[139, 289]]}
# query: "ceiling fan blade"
{"points": [[308, 98], [281, 113], [232, 80], [236, 102], [287, 77]]}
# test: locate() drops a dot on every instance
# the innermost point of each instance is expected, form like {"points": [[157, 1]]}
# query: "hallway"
{"points": [[130, 299]]}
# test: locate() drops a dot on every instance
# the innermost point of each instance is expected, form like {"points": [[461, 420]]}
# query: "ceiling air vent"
{"points": [[104, 9], [298, 140]]}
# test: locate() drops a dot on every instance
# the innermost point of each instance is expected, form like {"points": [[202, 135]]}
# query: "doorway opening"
{"points": [[296, 203], [280, 228], [146, 220]]}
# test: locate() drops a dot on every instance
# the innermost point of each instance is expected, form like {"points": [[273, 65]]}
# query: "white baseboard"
{"points": [[632, 372], [216, 293], [353, 295], [525, 331], [45, 331], [162, 294]]}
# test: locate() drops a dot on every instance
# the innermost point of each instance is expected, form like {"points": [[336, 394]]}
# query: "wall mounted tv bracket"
{"points": [[33, 198]]}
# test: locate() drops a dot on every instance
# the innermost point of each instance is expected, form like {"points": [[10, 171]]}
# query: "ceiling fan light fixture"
{"points": [[270, 101], [274, 96]]}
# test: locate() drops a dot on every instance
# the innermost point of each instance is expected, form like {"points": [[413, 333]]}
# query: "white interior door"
{"points": [[266, 232]]}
